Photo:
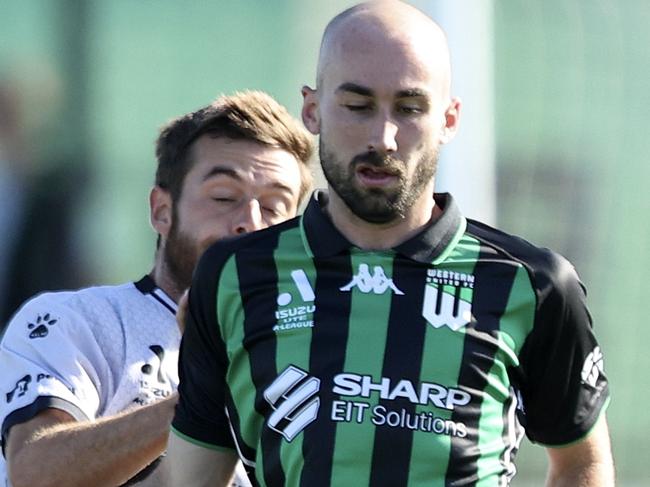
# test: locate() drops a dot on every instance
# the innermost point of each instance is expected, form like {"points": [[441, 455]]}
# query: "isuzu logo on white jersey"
{"points": [[376, 283], [356, 385]]}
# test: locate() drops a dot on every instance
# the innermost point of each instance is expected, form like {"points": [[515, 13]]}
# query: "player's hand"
{"points": [[181, 313]]}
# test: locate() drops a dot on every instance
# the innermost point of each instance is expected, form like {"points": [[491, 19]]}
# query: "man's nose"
{"points": [[383, 137], [248, 217]]}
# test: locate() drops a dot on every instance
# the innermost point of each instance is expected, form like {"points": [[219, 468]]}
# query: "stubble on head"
{"points": [[180, 255], [374, 205]]}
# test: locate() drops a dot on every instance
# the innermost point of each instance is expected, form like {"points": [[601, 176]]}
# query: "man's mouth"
{"points": [[374, 176]]}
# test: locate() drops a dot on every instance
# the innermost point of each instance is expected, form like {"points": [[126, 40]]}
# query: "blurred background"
{"points": [[554, 145]]}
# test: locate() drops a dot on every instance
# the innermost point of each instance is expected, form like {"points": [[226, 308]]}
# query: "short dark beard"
{"points": [[375, 205], [179, 256]]}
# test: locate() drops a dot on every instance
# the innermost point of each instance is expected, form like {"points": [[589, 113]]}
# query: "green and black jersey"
{"points": [[326, 365]]}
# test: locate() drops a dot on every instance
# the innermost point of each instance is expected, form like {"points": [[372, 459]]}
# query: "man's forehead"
{"points": [[386, 72], [223, 156], [369, 38]]}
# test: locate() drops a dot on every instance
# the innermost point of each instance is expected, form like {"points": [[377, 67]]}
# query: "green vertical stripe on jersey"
{"points": [[258, 287], [496, 436], [393, 445], [231, 313], [518, 322], [494, 276], [327, 355], [443, 352], [492, 425], [292, 330], [369, 311]]}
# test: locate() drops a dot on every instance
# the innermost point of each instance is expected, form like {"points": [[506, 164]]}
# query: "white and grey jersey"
{"points": [[92, 353]]}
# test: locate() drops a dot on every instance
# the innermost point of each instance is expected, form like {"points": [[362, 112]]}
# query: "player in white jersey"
{"points": [[88, 377], [91, 353]]}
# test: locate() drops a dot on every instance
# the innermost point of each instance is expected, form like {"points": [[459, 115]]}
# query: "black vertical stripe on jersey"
{"points": [[494, 278], [256, 267], [405, 338], [326, 359]]}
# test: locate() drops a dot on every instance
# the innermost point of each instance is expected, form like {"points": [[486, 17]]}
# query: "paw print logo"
{"points": [[41, 327]]}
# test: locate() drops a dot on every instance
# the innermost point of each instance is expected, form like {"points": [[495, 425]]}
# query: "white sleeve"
{"points": [[49, 358]]}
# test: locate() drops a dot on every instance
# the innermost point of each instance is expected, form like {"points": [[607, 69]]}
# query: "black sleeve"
{"points": [[564, 387], [200, 413]]}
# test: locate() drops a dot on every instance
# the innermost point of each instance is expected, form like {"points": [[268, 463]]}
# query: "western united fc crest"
{"points": [[448, 298]]}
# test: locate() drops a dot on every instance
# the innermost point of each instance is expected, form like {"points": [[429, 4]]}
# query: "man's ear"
{"points": [[452, 120], [310, 115], [160, 210]]}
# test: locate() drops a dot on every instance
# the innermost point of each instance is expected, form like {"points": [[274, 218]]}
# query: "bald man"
{"points": [[383, 338]]}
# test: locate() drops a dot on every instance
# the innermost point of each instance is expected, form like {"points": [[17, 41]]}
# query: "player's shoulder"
{"points": [[70, 305], [543, 264], [74, 298]]}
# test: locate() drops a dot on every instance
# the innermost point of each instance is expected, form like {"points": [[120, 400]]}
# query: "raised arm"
{"points": [[47, 449], [192, 465], [587, 463]]}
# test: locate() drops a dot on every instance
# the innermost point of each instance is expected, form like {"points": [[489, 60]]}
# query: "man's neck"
{"points": [[163, 280], [372, 236]]}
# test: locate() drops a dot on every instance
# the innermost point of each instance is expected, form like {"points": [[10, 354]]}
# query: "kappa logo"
{"points": [[448, 299], [377, 282], [593, 367], [293, 396], [41, 326]]}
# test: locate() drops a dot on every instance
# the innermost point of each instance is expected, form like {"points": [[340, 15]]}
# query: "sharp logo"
{"points": [[442, 397], [376, 283], [292, 395], [383, 403], [448, 299], [593, 367], [300, 316]]}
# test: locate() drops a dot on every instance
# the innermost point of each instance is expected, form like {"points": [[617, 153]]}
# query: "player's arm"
{"points": [[565, 391], [201, 448], [187, 460], [587, 463], [52, 449]]}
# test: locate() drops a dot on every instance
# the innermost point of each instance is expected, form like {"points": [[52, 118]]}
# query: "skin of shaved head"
{"points": [[375, 24], [382, 100]]}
